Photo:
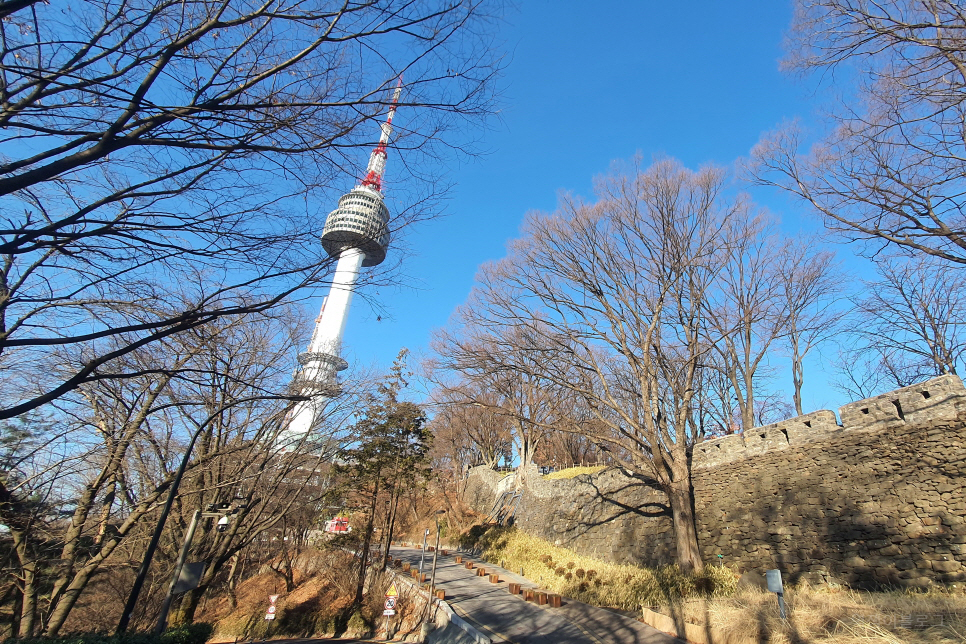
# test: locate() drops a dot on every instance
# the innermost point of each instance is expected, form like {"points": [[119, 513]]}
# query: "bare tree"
{"points": [[747, 314], [891, 169], [612, 298], [911, 322], [511, 386], [811, 284], [468, 419], [162, 157], [224, 388]]}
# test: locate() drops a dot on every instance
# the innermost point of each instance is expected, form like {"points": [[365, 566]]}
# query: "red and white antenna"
{"points": [[377, 160]]}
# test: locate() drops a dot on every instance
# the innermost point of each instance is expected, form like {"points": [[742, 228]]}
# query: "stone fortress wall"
{"points": [[876, 500]]}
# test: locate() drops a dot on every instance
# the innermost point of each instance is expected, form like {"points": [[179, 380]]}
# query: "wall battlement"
{"points": [[938, 399]]}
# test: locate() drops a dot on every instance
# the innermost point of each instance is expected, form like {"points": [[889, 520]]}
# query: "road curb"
{"points": [[451, 615]]}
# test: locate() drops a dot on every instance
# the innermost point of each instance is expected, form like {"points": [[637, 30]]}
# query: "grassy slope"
{"points": [[594, 581]]}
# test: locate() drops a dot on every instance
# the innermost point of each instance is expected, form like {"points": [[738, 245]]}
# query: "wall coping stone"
{"points": [[936, 399]]}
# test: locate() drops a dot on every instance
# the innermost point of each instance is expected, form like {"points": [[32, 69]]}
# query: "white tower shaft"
{"points": [[326, 343], [335, 312]]}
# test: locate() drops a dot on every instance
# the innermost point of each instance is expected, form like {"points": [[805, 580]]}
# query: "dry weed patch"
{"points": [[834, 615], [572, 472]]}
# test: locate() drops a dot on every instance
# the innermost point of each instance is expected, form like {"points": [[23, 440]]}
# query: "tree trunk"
{"points": [[28, 588], [748, 410], [391, 524], [367, 541], [188, 606], [28, 610], [232, 598], [682, 516], [798, 375], [68, 598], [797, 379]]}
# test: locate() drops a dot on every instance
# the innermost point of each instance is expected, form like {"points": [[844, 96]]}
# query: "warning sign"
{"points": [[392, 592], [270, 613]]}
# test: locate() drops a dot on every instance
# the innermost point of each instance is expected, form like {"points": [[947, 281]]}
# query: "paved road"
{"points": [[507, 618]]}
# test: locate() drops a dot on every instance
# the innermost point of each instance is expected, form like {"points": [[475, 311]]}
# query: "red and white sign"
{"points": [[338, 525], [270, 613], [390, 603]]}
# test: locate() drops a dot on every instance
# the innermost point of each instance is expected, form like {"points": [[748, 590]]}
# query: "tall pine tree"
{"points": [[392, 449]]}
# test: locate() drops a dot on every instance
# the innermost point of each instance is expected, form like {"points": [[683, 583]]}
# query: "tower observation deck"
{"points": [[356, 235]]}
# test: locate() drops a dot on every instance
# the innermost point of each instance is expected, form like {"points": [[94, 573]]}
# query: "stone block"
{"points": [[946, 566], [718, 451]]}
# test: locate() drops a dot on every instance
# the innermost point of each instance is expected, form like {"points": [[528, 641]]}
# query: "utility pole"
{"points": [[432, 580], [166, 604]]}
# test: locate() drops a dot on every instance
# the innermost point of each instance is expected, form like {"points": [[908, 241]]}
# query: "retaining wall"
{"points": [[877, 500]]}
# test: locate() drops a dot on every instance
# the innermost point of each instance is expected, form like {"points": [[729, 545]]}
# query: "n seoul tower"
{"points": [[356, 234]]}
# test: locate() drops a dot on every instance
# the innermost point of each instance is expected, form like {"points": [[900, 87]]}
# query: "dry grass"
{"points": [[816, 615], [318, 606], [596, 582], [833, 615], [571, 472]]}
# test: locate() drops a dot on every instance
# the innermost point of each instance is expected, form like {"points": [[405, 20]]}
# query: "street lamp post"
{"points": [[422, 555], [221, 512]]}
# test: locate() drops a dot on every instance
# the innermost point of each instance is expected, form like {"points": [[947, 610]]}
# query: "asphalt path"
{"points": [[508, 618]]}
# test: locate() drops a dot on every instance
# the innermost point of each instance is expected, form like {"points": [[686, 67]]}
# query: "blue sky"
{"points": [[586, 84]]}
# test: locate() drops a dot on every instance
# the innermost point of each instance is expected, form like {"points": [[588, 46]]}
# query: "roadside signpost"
{"points": [[391, 595], [774, 580], [270, 613]]}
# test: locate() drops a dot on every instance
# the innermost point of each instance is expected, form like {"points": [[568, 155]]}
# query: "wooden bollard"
{"points": [[440, 594], [406, 566], [494, 579], [554, 600], [481, 572], [541, 598], [528, 594], [422, 577], [459, 559], [445, 552], [514, 588], [469, 565]]}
